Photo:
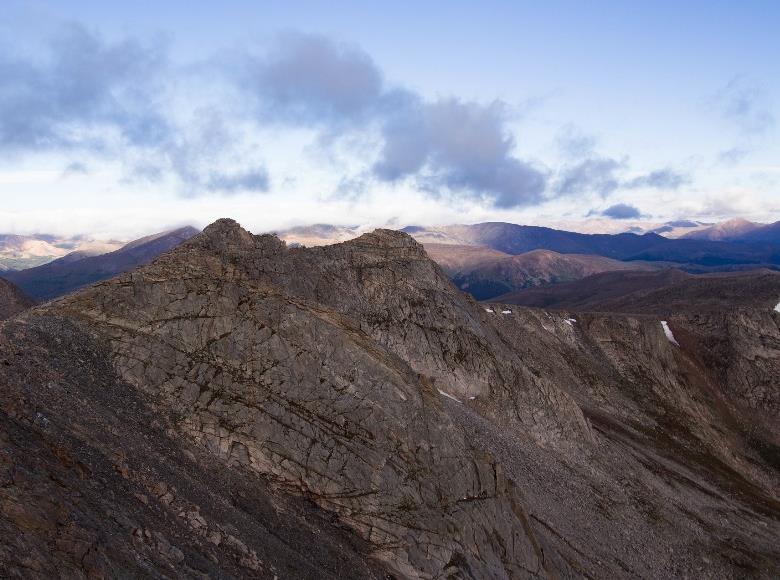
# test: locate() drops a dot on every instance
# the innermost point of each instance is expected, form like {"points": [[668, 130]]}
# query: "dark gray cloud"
{"points": [[87, 95], [312, 79], [463, 146], [622, 211], [601, 176], [746, 104], [228, 183], [597, 175], [448, 143], [667, 179], [81, 84], [120, 99]]}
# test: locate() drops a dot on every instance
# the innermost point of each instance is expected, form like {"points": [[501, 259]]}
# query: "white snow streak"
{"points": [[506, 312], [489, 310], [448, 395], [570, 321], [668, 333], [777, 308]]}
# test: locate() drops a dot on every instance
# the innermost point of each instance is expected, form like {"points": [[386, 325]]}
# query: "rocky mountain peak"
{"points": [[225, 233], [237, 409], [388, 238]]}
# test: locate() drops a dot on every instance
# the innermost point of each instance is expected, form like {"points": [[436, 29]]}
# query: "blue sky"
{"points": [[120, 119]]}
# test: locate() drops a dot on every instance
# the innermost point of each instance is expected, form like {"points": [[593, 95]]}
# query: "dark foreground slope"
{"points": [[12, 300], [77, 270], [238, 408]]}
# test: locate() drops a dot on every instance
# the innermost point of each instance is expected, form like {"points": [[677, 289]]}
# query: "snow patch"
{"points": [[570, 321], [448, 395], [506, 312], [668, 333], [490, 310], [472, 398], [777, 308]]}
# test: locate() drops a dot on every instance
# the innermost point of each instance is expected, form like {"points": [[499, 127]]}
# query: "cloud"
{"points": [[206, 155], [82, 86], [667, 179], [463, 146], [728, 204], [228, 183], [122, 100], [86, 96], [444, 144], [575, 143], [601, 176], [312, 79], [595, 175], [746, 104], [733, 155], [622, 211], [75, 168]]}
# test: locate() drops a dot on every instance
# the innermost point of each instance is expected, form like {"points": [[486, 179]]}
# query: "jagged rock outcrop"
{"points": [[352, 396]]}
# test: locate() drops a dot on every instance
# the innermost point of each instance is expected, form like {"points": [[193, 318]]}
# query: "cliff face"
{"points": [[351, 396]]}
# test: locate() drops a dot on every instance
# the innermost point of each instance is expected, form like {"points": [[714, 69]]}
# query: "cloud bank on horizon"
{"points": [[309, 112]]}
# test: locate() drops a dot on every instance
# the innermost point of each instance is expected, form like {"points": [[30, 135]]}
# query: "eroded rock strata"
{"points": [[238, 408]]}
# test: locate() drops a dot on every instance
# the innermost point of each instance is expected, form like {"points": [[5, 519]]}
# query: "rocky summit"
{"points": [[238, 408]]}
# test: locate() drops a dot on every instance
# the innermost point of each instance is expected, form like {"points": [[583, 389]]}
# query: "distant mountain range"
{"points": [[19, 252], [486, 259], [494, 258], [739, 230], [486, 273], [80, 268], [517, 239]]}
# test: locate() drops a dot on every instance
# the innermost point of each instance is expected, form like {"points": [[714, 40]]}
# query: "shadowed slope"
{"points": [[12, 300]]}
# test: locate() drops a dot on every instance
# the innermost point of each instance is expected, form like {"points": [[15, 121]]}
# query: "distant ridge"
{"points": [[487, 273], [730, 230], [517, 239], [77, 270]]}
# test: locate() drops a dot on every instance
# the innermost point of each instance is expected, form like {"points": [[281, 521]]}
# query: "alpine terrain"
{"points": [[240, 408]]}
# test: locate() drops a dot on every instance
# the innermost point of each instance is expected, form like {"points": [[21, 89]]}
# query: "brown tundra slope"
{"points": [[485, 273], [241, 409]]}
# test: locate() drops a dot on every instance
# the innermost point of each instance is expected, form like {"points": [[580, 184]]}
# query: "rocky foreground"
{"points": [[238, 408]]}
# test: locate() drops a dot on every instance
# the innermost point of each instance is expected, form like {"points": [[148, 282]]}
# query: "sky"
{"points": [[122, 119]]}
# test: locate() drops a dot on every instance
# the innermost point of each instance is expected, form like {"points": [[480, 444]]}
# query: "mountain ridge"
{"points": [[71, 272], [438, 435]]}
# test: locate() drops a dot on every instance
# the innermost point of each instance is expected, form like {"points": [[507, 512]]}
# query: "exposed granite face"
{"points": [[740, 347], [96, 483], [353, 382]]}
